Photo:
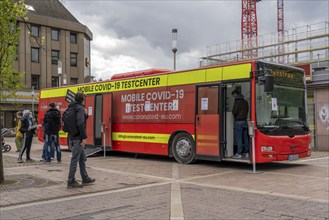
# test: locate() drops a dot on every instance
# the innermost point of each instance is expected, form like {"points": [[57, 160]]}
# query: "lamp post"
{"points": [[174, 45]]}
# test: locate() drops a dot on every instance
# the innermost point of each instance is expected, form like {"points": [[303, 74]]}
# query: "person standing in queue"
{"points": [[51, 126], [19, 135], [77, 142], [240, 113], [28, 130]]}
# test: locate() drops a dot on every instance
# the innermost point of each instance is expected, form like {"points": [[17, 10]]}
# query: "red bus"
{"points": [[187, 114]]}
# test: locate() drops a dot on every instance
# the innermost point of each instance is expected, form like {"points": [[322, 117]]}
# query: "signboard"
{"points": [[70, 96], [204, 104], [59, 64]]}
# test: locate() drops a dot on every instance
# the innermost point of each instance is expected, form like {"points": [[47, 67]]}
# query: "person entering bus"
{"points": [[77, 143], [240, 113]]}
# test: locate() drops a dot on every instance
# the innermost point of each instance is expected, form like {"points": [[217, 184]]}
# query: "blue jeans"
{"points": [[51, 145], [27, 142], [241, 133], [78, 155]]}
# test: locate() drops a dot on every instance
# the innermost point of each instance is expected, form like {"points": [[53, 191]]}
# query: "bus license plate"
{"points": [[293, 157]]}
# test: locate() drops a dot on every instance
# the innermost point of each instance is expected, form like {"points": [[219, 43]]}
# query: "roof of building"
{"points": [[49, 8]]}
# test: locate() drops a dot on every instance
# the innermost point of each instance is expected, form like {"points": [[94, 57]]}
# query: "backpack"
{"points": [[69, 121]]}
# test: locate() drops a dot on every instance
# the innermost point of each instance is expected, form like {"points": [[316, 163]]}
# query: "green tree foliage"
{"points": [[10, 10]]}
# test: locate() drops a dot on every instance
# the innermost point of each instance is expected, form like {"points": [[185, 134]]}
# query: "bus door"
{"points": [[228, 145], [94, 109], [89, 104], [107, 119], [98, 139], [208, 122]]}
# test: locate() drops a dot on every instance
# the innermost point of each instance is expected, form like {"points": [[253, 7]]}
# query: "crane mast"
{"points": [[249, 31], [280, 30]]}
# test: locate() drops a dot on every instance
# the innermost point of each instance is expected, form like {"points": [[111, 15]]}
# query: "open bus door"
{"points": [[94, 107], [208, 122], [107, 120]]}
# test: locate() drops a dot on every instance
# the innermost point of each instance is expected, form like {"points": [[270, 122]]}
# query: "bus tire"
{"points": [[183, 148]]}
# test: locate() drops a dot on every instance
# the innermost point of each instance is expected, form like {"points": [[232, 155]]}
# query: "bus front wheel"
{"points": [[183, 148]]}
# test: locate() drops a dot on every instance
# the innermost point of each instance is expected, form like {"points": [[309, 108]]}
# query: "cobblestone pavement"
{"points": [[153, 187]]}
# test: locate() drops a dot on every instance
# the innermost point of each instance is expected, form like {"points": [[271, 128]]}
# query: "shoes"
{"points": [[30, 160], [46, 161], [237, 156], [246, 155], [88, 180], [19, 161], [74, 184]]}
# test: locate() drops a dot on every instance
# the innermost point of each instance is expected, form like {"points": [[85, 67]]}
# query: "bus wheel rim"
{"points": [[183, 147]]}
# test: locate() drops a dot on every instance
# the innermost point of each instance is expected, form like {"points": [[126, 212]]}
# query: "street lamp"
{"points": [[174, 45]]}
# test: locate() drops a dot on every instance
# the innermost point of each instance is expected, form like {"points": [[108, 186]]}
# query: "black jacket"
{"points": [[80, 122], [240, 108], [26, 123], [52, 121]]}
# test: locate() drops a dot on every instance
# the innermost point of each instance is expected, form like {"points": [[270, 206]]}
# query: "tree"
{"points": [[10, 80]]}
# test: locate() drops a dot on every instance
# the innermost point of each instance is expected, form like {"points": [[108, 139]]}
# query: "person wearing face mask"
{"points": [[27, 129]]}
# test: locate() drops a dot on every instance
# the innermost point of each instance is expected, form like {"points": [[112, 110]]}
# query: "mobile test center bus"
{"points": [[187, 114]]}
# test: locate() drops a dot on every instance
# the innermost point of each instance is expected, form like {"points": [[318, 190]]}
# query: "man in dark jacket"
{"points": [[27, 129], [77, 143], [240, 113], [51, 126]]}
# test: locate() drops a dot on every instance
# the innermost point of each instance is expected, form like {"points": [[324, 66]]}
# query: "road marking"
{"points": [[210, 175], [297, 175], [106, 192], [176, 207], [130, 173], [256, 191]]}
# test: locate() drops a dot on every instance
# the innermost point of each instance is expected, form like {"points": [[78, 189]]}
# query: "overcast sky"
{"points": [[135, 35]]}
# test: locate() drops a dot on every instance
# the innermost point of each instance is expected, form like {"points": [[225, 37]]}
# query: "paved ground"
{"points": [[153, 187]]}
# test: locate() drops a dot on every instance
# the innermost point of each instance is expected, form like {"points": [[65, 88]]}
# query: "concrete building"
{"points": [[54, 50], [306, 47]]}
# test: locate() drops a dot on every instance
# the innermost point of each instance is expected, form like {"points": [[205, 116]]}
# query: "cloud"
{"points": [[135, 35]]}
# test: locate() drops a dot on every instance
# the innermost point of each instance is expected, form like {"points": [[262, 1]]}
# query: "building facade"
{"points": [[54, 50]]}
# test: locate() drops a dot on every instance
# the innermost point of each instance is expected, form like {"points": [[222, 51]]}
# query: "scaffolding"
{"points": [[301, 45]]}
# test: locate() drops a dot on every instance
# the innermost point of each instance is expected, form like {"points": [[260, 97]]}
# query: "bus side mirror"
{"points": [[269, 83]]}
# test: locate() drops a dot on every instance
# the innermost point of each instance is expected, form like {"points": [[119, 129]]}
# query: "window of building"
{"points": [[35, 55], [35, 82], [54, 81], [74, 81], [73, 38], [74, 59], [54, 57], [54, 34], [35, 30]]}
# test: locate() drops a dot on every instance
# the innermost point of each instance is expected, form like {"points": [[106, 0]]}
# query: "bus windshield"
{"points": [[282, 112]]}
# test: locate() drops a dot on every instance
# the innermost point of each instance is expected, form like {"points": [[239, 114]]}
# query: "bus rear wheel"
{"points": [[183, 148]]}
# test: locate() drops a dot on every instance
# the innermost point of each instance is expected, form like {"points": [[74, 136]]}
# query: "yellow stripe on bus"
{"points": [[240, 71], [141, 137], [63, 134]]}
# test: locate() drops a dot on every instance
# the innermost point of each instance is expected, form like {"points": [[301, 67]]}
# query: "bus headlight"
{"points": [[267, 148]]}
